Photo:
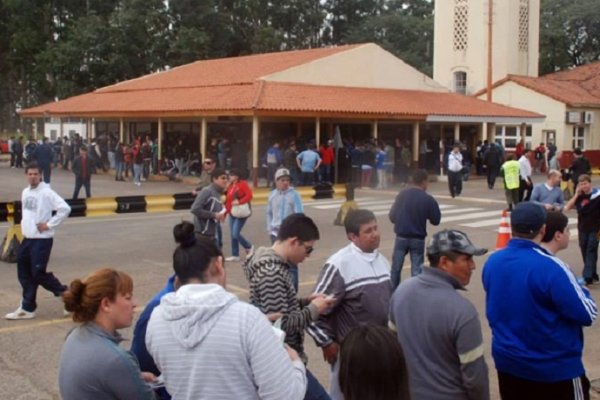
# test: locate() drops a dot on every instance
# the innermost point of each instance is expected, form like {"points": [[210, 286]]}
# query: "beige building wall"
{"points": [[515, 50], [365, 66], [515, 95]]}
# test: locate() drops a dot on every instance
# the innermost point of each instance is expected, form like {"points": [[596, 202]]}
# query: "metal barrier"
{"points": [[104, 206]]}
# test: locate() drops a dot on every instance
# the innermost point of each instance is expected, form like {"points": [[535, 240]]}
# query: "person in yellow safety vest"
{"points": [[510, 172]]}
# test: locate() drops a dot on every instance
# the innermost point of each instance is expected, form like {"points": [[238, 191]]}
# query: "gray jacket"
{"points": [[94, 367], [440, 333], [207, 203]]}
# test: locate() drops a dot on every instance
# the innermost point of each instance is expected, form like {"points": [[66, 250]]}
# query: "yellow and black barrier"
{"points": [[104, 206]]}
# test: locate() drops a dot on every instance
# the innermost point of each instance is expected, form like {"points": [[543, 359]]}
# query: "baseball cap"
{"points": [[281, 172], [527, 217], [453, 240]]}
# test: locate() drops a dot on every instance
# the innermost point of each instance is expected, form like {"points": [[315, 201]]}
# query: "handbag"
{"points": [[241, 210]]}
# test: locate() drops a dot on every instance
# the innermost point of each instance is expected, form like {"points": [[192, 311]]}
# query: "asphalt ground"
{"points": [[142, 245]]}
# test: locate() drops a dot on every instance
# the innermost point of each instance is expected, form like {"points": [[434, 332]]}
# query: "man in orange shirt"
{"points": [[327, 157]]}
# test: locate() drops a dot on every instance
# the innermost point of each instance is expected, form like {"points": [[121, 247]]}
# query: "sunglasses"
{"points": [[209, 162]]}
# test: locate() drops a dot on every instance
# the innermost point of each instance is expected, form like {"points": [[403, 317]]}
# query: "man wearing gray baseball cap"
{"points": [[437, 327]]}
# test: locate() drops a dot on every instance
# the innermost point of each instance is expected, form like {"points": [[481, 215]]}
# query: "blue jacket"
{"points": [[410, 212], [536, 310]]}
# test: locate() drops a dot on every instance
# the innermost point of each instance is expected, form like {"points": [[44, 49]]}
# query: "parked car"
{"points": [[3, 146]]}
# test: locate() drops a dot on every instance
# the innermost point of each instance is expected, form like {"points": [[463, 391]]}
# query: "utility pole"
{"points": [[489, 54]]}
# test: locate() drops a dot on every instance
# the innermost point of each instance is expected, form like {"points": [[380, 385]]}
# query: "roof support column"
{"points": [[35, 129], [255, 129], [491, 132], [93, 128], [60, 128], [318, 132], [456, 132], [415, 143], [375, 130], [203, 137], [121, 130], [160, 138], [442, 149], [481, 132]]}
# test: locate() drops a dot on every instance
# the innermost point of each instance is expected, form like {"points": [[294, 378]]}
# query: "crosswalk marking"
{"points": [[470, 217]]}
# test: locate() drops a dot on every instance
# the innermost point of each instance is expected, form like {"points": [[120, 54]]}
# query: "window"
{"points": [[579, 137], [461, 25], [460, 82], [524, 25], [507, 136]]}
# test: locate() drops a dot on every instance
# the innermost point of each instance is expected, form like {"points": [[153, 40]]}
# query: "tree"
{"points": [[404, 28], [569, 34], [345, 15]]}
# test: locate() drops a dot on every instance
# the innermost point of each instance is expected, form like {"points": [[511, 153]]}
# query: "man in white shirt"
{"points": [[37, 226], [455, 166], [525, 175]]}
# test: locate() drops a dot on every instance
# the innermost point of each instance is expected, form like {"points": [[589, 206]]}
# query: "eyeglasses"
{"points": [[308, 249]]}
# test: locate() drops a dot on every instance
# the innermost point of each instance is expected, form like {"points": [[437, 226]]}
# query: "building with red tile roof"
{"points": [[300, 95], [570, 99]]}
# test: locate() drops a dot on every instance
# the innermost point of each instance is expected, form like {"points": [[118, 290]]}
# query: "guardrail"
{"points": [[105, 206]]}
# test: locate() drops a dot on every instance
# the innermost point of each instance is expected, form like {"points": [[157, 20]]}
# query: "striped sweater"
{"points": [[362, 288], [211, 346], [272, 291]]}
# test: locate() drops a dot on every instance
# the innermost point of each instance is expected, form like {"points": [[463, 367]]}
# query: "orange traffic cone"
{"points": [[503, 232]]}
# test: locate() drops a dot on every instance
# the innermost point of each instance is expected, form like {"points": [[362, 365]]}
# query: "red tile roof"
{"points": [[577, 87], [234, 85]]}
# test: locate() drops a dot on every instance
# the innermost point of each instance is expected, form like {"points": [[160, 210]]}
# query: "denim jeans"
{"points": [[120, 165], [416, 247], [293, 268], [588, 244], [86, 183], [235, 227], [32, 262], [137, 172], [314, 390]]}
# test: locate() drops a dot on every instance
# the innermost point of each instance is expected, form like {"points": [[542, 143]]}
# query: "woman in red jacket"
{"points": [[237, 205]]}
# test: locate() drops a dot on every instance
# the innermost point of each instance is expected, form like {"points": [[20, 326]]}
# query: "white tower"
{"points": [[460, 58]]}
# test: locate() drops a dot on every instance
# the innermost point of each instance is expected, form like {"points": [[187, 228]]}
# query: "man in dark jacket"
{"points": [[580, 166], [492, 160], [83, 166], [208, 209], [44, 154]]}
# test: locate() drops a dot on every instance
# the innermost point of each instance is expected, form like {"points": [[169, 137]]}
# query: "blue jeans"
{"points": [[235, 227], [32, 262], [137, 172], [120, 168], [314, 390], [293, 268], [588, 244], [416, 247]]}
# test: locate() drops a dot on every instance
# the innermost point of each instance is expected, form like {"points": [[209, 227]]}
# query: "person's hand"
{"points": [[235, 202], [292, 353], [330, 352], [272, 317], [148, 377], [323, 303], [42, 227], [220, 216], [194, 192]]}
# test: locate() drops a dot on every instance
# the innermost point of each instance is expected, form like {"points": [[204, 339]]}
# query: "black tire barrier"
{"points": [[130, 204], [4, 212], [323, 191]]}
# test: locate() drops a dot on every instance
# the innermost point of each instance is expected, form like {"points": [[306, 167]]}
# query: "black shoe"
{"points": [[589, 281]]}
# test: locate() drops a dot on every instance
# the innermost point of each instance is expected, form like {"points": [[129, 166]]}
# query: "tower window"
{"points": [[460, 82], [524, 25], [461, 24]]}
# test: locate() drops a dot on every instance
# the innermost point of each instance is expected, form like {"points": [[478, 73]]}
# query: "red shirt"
{"points": [[327, 155], [240, 191]]}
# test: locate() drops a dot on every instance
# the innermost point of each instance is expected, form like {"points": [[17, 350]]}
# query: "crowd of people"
{"points": [[383, 338]]}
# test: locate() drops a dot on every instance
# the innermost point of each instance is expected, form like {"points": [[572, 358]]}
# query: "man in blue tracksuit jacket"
{"points": [[536, 310]]}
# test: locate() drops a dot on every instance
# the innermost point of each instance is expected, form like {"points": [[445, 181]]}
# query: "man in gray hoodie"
{"points": [[210, 345], [208, 208]]}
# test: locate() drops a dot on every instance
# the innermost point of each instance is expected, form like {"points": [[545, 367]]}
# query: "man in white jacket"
{"points": [[39, 201], [210, 345]]}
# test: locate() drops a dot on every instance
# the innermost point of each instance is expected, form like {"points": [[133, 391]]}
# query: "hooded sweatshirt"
{"points": [[209, 345], [272, 291], [38, 205]]}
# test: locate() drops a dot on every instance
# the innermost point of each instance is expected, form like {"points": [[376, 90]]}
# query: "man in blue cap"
{"points": [[536, 310]]}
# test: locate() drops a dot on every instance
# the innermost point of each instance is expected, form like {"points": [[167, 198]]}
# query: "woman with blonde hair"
{"points": [[92, 365]]}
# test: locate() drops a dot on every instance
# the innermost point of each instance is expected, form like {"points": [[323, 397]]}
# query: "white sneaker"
{"points": [[232, 258], [66, 313], [249, 252], [19, 313]]}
